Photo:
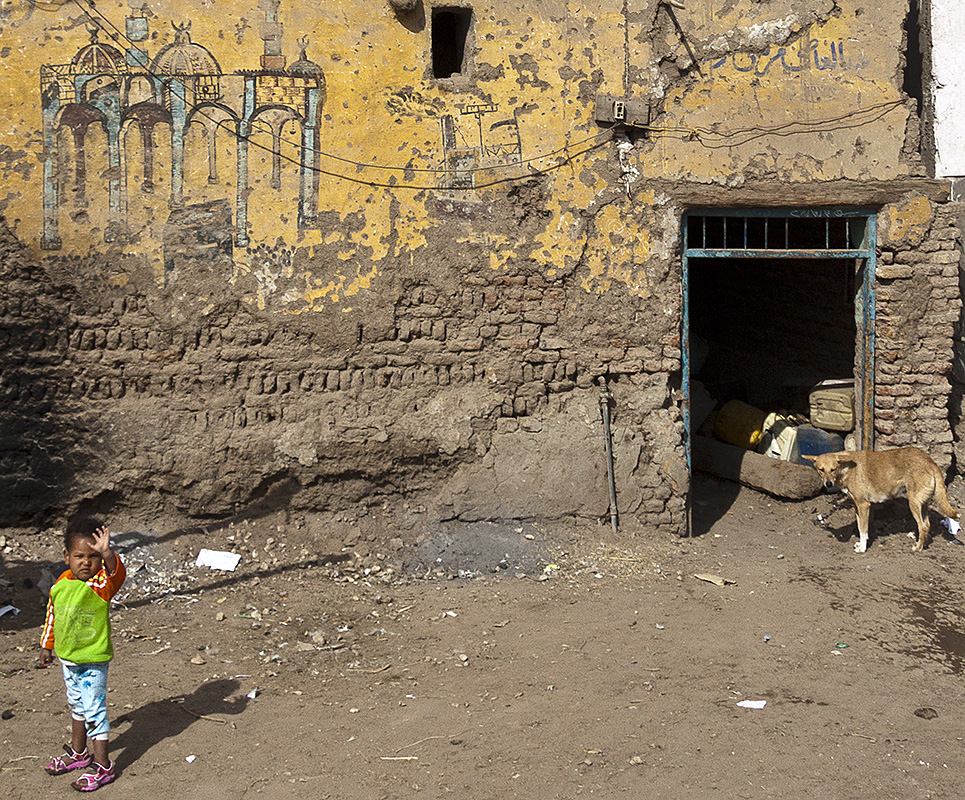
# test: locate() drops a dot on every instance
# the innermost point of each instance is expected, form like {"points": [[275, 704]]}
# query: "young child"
{"points": [[78, 629]]}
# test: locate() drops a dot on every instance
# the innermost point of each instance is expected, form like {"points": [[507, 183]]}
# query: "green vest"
{"points": [[82, 624]]}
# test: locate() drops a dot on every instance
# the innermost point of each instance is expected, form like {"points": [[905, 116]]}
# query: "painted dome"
{"points": [[98, 58], [184, 57], [303, 66]]}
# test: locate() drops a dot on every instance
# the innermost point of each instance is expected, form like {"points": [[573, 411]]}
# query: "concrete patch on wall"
{"points": [[553, 472]]}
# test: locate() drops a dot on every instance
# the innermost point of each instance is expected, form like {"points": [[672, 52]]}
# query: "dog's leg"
{"points": [[862, 510], [919, 511]]}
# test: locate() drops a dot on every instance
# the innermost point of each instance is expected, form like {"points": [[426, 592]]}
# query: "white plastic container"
{"points": [[780, 438]]}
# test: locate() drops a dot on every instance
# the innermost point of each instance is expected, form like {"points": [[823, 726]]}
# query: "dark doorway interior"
{"points": [[777, 301], [765, 330]]}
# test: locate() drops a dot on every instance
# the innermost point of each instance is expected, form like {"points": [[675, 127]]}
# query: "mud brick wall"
{"points": [[473, 396], [473, 400], [363, 282], [40, 430], [919, 305]]}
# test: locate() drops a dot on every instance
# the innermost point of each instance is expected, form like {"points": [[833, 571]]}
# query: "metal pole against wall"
{"points": [[606, 397]]}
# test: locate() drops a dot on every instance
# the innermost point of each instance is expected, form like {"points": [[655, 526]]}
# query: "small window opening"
{"points": [[450, 33]]}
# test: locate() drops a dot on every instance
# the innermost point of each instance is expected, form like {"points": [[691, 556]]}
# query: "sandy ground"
{"points": [[584, 664]]}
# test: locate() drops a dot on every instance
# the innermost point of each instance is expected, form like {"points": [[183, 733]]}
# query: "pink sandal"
{"points": [[72, 760], [93, 780]]}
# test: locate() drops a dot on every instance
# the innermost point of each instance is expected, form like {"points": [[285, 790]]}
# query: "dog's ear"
{"points": [[812, 459], [845, 465]]}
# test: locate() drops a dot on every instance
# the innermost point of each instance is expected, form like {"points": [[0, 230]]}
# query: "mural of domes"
{"points": [[97, 58], [184, 57]]}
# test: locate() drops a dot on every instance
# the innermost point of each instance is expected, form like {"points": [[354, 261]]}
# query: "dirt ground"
{"points": [[533, 663]]}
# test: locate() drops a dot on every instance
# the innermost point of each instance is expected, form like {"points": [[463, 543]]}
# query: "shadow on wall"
{"points": [[39, 433], [410, 13], [275, 493]]}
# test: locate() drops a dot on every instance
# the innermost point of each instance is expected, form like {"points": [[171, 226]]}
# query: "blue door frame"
{"points": [[766, 233]]}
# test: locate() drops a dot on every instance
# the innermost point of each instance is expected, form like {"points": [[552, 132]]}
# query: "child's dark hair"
{"points": [[80, 528]]}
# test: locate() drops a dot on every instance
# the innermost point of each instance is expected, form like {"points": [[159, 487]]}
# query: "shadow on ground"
{"points": [[163, 719]]}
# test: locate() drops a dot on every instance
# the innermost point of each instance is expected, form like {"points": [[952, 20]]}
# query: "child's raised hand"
{"points": [[102, 541]]}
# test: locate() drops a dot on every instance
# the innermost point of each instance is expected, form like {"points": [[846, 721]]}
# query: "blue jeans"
{"points": [[87, 696]]}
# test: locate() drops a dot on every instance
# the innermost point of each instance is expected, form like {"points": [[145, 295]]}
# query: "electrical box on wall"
{"points": [[622, 110]]}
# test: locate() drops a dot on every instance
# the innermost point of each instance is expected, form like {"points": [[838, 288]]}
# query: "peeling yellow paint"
{"points": [[315, 290], [909, 221], [383, 186], [617, 252], [314, 293], [361, 282]]}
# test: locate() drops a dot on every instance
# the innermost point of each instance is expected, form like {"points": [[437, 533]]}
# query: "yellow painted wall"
{"points": [[794, 91]]}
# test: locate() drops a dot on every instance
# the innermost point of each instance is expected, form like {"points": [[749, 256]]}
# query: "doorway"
{"points": [[777, 301]]}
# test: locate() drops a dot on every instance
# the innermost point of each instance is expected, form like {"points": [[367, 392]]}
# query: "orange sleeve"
{"points": [[119, 576], [107, 585]]}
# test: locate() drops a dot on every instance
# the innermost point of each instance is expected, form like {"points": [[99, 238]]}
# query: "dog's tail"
{"points": [[941, 499]]}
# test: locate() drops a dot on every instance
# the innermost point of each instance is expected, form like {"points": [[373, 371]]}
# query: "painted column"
{"points": [[179, 117], [51, 235], [308, 190], [109, 104], [244, 128]]}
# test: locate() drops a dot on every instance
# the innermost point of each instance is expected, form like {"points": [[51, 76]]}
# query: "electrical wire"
{"points": [[818, 126], [198, 110], [842, 127], [699, 134]]}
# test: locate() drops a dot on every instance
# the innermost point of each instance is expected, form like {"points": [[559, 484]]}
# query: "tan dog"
{"points": [[868, 476]]}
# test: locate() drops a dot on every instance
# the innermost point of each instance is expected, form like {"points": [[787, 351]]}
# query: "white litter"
{"points": [[9, 610], [953, 525], [190, 759], [218, 559], [252, 694], [752, 703]]}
